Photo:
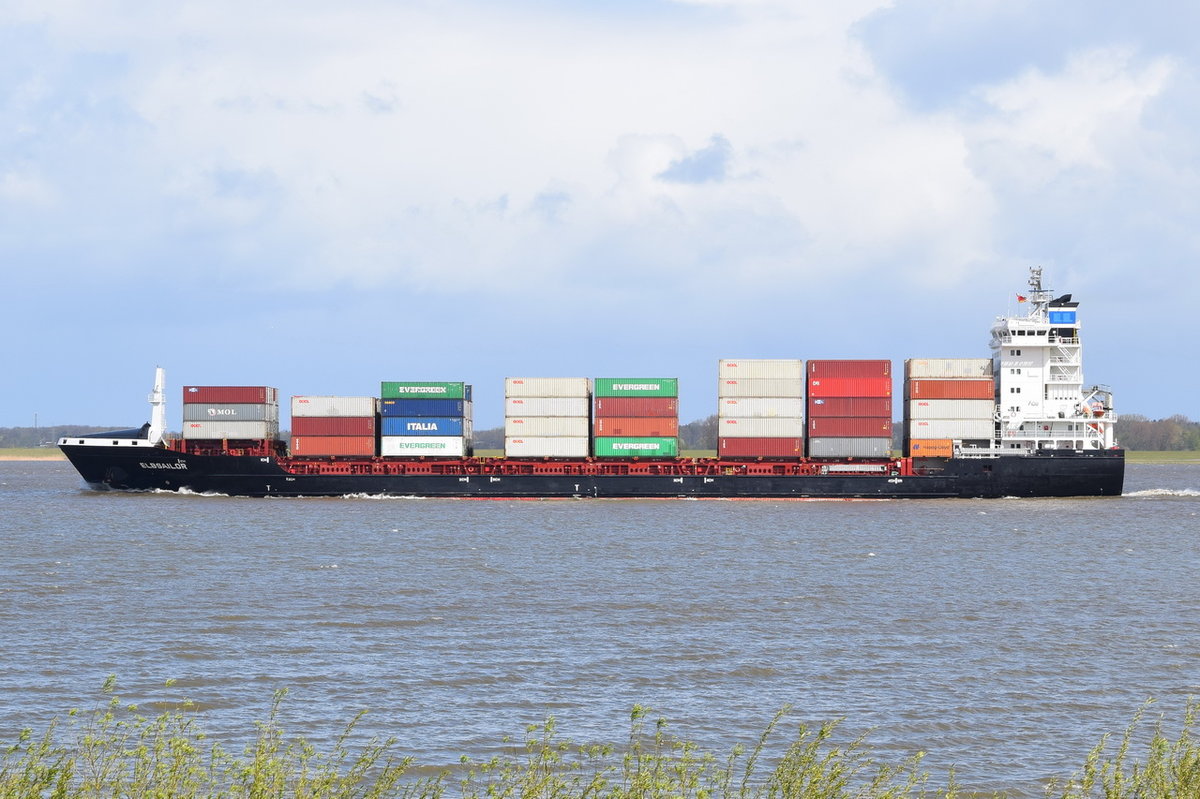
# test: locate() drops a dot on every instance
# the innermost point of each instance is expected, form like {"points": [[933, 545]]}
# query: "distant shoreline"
{"points": [[58, 457]]}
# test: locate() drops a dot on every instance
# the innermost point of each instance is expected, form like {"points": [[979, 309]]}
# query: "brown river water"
{"points": [[1003, 637]]}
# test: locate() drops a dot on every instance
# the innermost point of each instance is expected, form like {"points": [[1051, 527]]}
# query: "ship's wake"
{"points": [[1154, 493]]}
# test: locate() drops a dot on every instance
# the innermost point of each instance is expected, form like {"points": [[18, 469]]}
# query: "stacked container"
{"points": [[547, 417], [333, 425], [849, 409], [948, 400], [241, 413], [636, 417], [760, 408], [424, 418]]}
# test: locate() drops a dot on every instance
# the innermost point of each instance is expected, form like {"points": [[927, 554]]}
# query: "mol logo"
{"points": [[222, 412]]}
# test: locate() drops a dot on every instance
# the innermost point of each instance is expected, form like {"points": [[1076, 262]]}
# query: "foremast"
{"points": [[1041, 400]]}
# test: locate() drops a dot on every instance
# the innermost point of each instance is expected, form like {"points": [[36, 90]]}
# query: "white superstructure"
{"points": [[1041, 401]]}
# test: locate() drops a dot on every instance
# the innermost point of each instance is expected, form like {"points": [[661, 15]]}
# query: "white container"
{"points": [[947, 368], [546, 446], [547, 406], [334, 406], [760, 387], [951, 428], [849, 447], [950, 409], [759, 428], [547, 387], [418, 446], [761, 407], [243, 431], [760, 368], [537, 426]]}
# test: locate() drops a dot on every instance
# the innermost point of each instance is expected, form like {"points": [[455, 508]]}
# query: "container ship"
{"points": [[1020, 423]]}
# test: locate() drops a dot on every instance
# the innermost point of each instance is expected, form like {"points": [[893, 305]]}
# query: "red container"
{"points": [[760, 447], [851, 406], [849, 369], [231, 394], [637, 406], [849, 387], [849, 427], [635, 426], [333, 445], [333, 425], [950, 389]]}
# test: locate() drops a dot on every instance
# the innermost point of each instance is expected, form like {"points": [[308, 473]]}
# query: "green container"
{"points": [[635, 387], [635, 447], [423, 389]]}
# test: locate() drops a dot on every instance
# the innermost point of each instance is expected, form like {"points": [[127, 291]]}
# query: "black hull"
{"points": [[1063, 474]]}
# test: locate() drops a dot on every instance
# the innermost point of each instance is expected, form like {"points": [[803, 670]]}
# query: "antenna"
{"points": [[158, 409]]}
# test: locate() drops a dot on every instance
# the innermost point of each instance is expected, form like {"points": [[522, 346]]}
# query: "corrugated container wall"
{"points": [[425, 407], [760, 368], [950, 409], [242, 431], [333, 406], [242, 412], [636, 447], [424, 426], [748, 427], [333, 445], [230, 394], [947, 368], [760, 447], [759, 387], [428, 446], [931, 448], [547, 446], [424, 389], [761, 407], [343, 426], [952, 428], [635, 426], [849, 427], [950, 389], [848, 387], [849, 369], [849, 447], [637, 406], [547, 387], [851, 406], [539, 426], [550, 406], [635, 387]]}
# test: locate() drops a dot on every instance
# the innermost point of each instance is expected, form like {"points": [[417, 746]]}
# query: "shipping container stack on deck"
{"points": [[547, 417], [424, 418], [231, 413], [636, 417], [344, 426], [948, 400], [760, 408], [849, 409]]}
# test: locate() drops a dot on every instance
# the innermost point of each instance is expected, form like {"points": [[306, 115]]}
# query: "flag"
{"points": [[1020, 298]]}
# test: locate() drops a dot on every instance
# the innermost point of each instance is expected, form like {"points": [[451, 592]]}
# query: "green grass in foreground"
{"points": [[1168, 456], [116, 751], [38, 453]]}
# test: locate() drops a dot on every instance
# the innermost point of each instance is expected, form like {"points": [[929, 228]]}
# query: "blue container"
{"points": [[422, 407], [421, 426]]}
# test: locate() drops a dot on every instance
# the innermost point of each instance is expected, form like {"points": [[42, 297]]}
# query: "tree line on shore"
{"points": [[1134, 432]]}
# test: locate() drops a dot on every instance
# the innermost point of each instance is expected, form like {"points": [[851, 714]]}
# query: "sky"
{"points": [[321, 196]]}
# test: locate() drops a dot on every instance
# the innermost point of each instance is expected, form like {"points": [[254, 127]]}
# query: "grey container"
{"points": [[849, 447], [230, 412]]}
